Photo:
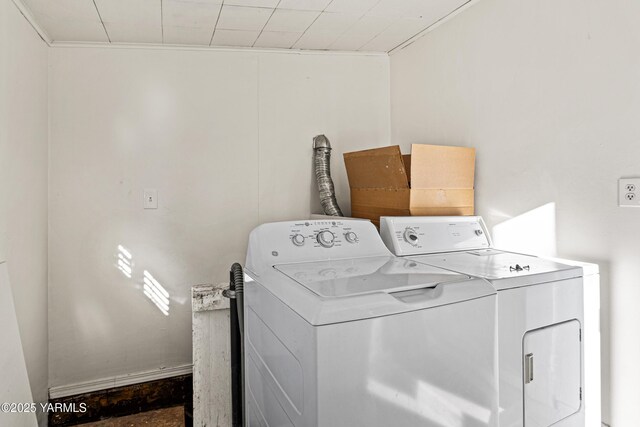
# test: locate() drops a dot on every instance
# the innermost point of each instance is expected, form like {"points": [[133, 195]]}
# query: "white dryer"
{"points": [[540, 315], [339, 332]]}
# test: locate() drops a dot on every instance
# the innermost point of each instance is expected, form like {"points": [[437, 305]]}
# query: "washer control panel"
{"points": [[425, 235], [324, 234], [312, 240]]}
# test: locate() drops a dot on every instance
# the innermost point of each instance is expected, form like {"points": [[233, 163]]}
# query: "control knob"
{"points": [[410, 236], [351, 237], [325, 238], [298, 239]]}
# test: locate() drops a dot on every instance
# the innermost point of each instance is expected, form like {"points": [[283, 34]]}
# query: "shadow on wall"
{"points": [[605, 334], [314, 200]]}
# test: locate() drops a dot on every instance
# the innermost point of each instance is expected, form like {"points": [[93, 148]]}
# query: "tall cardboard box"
{"points": [[433, 180]]}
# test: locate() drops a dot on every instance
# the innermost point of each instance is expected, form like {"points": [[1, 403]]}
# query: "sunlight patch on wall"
{"points": [[125, 261], [532, 232], [156, 293]]}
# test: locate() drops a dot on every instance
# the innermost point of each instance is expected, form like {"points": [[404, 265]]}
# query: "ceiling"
{"points": [[351, 25]]}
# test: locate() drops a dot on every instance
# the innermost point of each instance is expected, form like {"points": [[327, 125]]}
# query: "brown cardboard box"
{"points": [[433, 180]]}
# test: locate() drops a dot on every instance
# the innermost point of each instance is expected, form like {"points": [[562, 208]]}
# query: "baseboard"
{"points": [[118, 381], [124, 399]]}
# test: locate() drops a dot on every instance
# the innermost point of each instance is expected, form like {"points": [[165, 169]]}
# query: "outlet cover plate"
{"points": [[150, 198], [629, 192]]}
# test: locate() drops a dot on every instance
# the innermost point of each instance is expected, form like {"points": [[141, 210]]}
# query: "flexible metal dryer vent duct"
{"points": [[322, 163]]}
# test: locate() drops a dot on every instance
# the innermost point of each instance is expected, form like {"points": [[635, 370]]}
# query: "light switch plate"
{"points": [[150, 198], [629, 192]]}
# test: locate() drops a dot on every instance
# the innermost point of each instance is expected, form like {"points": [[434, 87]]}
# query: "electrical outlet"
{"points": [[150, 199], [629, 192]]}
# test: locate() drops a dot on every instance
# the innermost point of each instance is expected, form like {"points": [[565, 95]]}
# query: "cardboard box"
{"points": [[433, 180]]}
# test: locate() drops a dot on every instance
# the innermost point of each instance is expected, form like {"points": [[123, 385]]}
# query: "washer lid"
{"points": [[359, 276], [343, 290], [504, 269]]}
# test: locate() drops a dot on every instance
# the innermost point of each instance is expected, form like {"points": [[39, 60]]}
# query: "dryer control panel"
{"points": [[425, 235]]}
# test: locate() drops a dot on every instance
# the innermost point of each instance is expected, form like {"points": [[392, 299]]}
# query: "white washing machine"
{"points": [[339, 332], [540, 316]]}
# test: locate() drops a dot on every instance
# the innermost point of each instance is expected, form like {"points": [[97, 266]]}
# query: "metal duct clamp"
{"points": [[229, 293], [321, 141]]}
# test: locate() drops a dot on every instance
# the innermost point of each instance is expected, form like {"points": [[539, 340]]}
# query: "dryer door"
{"points": [[552, 367]]}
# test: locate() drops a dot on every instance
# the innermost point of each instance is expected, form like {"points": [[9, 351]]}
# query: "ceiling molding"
{"points": [[158, 46], [433, 26], [26, 12]]}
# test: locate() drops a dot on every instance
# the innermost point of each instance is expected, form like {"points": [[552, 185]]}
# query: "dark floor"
{"points": [[169, 417]]}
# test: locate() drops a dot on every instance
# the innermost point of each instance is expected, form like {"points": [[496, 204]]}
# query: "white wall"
{"points": [[23, 183], [549, 94], [225, 137], [14, 386]]}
